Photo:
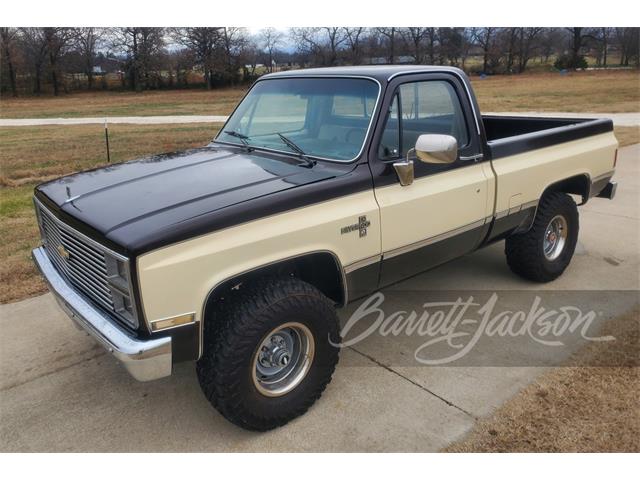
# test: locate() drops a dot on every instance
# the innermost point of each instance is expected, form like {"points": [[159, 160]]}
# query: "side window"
{"points": [[389, 148], [427, 107]]}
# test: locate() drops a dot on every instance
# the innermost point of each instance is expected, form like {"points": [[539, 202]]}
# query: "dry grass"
{"points": [[34, 154], [597, 91], [627, 135], [573, 409], [98, 104]]}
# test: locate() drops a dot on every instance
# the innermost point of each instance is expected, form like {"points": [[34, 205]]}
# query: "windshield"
{"points": [[317, 117]]}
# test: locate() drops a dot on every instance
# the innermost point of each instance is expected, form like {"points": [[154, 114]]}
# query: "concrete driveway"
{"points": [[60, 392]]}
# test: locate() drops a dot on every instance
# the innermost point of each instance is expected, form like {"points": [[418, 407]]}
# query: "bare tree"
{"points": [[57, 40], [603, 34], [432, 38], [204, 42], [308, 44], [353, 37], [87, 42], [233, 43], [549, 40], [7, 39], [141, 47], [414, 37], [390, 34], [35, 49], [527, 39], [578, 37], [628, 41], [453, 45], [335, 38], [485, 37], [270, 40]]}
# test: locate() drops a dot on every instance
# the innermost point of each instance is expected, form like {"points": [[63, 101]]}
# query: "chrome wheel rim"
{"points": [[283, 359], [555, 237]]}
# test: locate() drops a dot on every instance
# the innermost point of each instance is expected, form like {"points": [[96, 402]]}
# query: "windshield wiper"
{"points": [[309, 162], [243, 138]]}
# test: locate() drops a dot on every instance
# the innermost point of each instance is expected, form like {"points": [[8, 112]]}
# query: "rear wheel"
{"points": [[267, 356], [544, 252]]}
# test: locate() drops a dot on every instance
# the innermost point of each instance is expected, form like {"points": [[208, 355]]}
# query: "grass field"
{"points": [[597, 91], [114, 104], [601, 413]]}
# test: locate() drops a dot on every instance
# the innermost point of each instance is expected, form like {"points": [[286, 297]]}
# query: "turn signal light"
{"points": [[171, 322]]}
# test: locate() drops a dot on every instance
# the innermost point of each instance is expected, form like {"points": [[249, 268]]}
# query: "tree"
{"points": [[578, 36], [233, 42], [527, 39], [335, 38], [414, 37], [270, 40], [7, 39], [87, 42], [34, 46], [453, 45], [57, 40], [353, 38], [432, 38], [204, 42], [485, 38], [142, 47], [627, 38], [389, 33], [548, 41], [308, 44]]}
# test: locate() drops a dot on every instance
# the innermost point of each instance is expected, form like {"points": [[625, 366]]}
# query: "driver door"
{"points": [[444, 213]]}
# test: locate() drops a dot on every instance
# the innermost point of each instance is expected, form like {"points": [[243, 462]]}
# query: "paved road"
{"points": [[619, 119], [151, 120], [60, 392]]}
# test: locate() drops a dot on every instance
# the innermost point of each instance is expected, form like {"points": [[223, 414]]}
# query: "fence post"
{"points": [[106, 137]]}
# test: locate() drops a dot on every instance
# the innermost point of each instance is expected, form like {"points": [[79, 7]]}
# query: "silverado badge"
{"points": [[361, 226]]}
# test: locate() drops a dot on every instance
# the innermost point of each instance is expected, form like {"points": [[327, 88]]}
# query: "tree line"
{"points": [[63, 59]]}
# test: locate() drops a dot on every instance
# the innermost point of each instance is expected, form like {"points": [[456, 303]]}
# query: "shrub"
{"points": [[571, 63]]}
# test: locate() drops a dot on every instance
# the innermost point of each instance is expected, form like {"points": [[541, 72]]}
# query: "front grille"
{"points": [[81, 261]]}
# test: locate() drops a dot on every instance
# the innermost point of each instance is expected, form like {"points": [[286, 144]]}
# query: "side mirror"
{"points": [[433, 148]]}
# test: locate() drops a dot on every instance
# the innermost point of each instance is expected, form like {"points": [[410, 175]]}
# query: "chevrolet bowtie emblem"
{"points": [[64, 253], [361, 226]]}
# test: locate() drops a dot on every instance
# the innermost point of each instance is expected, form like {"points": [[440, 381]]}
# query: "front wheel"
{"points": [[544, 252], [267, 356]]}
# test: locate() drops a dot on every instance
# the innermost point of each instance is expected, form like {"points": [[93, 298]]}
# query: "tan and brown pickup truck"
{"points": [[323, 186]]}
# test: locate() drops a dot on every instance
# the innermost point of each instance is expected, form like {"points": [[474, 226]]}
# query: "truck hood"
{"points": [[131, 203]]}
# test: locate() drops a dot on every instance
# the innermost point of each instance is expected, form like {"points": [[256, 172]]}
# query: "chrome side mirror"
{"points": [[433, 148]]}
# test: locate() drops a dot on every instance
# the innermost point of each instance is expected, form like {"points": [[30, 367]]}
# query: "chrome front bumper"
{"points": [[144, 359]]}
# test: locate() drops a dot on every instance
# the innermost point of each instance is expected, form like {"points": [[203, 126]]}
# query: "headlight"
{"points": [[119, 280]]}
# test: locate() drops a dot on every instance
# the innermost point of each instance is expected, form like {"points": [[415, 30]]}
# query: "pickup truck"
{"points": [[323, 186]]}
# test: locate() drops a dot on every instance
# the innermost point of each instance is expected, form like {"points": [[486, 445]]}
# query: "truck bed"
{"points": [[510, 135]]}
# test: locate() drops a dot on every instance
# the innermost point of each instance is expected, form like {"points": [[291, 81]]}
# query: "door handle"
{"points": [[472, 158]]}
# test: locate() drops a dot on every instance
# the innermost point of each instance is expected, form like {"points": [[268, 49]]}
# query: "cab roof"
{"points": [[381, 73]]}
